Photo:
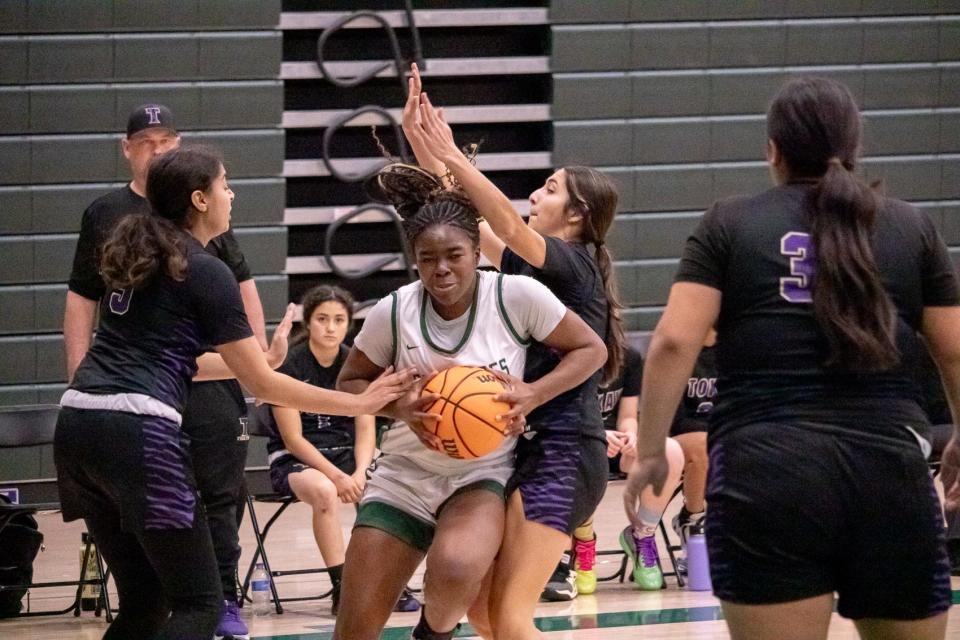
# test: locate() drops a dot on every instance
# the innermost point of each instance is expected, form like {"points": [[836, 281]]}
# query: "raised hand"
{"points": [[436, 133], [277, 352]]}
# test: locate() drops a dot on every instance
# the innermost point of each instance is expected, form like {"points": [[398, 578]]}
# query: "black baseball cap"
{"points": [[149, 116]]}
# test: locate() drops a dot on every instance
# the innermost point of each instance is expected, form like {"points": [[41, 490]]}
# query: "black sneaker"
{"points": [[335, 599], [686, 524], [562, 585], [953, 551], [407, 601]]}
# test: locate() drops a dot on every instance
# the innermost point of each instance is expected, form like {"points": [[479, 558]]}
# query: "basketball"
{"points": [[468, 426]]}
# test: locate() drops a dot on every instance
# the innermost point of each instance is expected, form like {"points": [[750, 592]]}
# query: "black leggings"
{"points": [[167, 580]]}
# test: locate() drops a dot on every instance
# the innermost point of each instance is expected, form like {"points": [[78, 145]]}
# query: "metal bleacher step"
{"points": [[424, 18], [486, 162], [305, 119], [435, 67]]}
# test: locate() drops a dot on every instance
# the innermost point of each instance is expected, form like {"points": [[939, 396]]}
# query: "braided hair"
{"points": [[423, 201]]}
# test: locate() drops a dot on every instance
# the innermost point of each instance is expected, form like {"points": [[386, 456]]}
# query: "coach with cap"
{"points": [[211, 419]]}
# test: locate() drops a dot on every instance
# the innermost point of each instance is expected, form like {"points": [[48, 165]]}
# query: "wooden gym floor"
{"points": [[615, 611]]}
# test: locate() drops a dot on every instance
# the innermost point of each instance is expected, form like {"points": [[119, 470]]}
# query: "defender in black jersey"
{"points": [[121, 460], [213, 410], [818, 481], [561, 471]]}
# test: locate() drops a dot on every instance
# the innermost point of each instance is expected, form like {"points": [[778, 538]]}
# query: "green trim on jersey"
{"points": [[492, 486], [502, 309], [385, 517], [424, 297], [393, 325]]}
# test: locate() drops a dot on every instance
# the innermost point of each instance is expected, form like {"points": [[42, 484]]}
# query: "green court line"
{"points": [[562, 623]]}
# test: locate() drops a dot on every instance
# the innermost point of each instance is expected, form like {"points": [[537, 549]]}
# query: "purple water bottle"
{"points": [[698, 566]]}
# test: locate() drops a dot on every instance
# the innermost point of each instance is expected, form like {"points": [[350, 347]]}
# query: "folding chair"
{"points": [[31, 426], [258, 424]]}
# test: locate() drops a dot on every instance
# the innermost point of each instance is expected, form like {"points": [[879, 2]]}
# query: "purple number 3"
{"points": [[796, 286], [120, 301]]}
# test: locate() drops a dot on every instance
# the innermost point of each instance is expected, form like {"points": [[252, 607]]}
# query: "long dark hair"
{"points": [[315, 297], [815, 125], [594, 196], [142, 245]]}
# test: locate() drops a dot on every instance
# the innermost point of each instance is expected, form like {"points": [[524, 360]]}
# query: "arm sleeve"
{"points": [[939, 279], [85, 278], [706, 252], [216, 298], [376, 338], [633, 373], [531, 309], [226, 247]]}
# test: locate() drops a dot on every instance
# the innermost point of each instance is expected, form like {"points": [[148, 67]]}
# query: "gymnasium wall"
{"points": [[669, 97], [70, 73]]}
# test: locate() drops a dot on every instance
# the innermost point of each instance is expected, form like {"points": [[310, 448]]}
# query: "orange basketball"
{"points": [[468, 426]]}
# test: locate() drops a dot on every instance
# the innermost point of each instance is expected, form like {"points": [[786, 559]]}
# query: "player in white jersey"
{"points": [[418, 498]]}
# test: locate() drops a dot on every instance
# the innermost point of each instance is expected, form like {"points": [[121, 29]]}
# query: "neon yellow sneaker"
{"points": [[585, 552]]}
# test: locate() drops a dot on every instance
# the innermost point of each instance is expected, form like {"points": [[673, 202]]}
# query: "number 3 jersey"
{"points": [[404, 330], [149, 338], [770, 352]]}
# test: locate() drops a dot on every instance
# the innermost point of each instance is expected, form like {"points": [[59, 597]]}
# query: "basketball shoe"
{"points": [[231, 625], [686, 524], [647, 574], [562, 585], [585, 558], [407, 601]]}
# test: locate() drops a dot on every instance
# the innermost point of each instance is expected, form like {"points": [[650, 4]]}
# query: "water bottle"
{"points": [[698, 566], [90, 592], [260, 586]]}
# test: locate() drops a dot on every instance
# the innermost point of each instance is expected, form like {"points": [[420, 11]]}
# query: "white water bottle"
{"points": [[260, 587]]}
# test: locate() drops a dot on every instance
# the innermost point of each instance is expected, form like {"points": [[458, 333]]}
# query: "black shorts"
{"points": [[121, 465], [281, 468], [562, 477], [798, 511]]}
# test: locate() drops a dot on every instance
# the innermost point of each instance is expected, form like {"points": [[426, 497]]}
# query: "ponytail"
{"points": [[141, 246], [615, 340], [850, 303], [593, 195], [815, 125]]}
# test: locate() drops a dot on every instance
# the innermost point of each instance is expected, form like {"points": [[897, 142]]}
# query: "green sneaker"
{"points": [[646, 562]]}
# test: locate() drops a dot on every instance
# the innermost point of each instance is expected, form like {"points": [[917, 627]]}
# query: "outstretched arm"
{"points": [[496, 209]]}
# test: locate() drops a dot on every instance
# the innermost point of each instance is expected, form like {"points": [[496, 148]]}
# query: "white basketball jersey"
{"points": [[483, 337]]}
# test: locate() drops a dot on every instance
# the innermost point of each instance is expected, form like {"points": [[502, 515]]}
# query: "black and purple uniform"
{"points": [[818, 481], [121, 463], [700, 396], [561, 468], [211, 417]]}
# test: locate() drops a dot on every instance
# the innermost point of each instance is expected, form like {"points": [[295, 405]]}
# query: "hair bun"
{"points": [[407, 187]]}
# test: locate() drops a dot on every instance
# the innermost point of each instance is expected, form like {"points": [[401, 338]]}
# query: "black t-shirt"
{"points": [[571, 273], [322, 431], [626, 385], [149, 338], [770, 350], [699, 398], [99, 220]]}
